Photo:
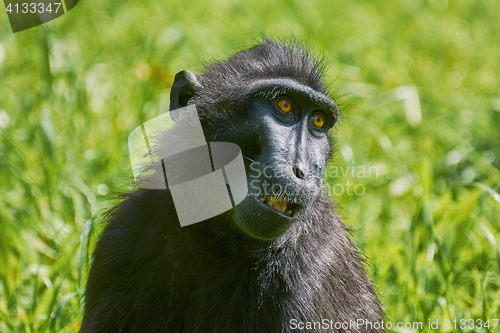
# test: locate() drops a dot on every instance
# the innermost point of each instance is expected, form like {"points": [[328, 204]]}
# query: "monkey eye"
{"points": [[285, 104], [318, 119]]}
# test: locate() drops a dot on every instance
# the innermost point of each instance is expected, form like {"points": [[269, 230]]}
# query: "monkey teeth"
{"points": [[277, 204], [281, 205]]}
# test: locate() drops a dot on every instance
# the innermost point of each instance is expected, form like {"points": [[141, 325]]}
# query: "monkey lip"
{"points": [[281, 205]]}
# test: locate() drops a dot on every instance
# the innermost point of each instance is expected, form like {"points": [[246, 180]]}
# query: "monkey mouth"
{"points": [[281, 205]]}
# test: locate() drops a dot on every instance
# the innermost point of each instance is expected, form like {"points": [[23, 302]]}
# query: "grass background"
{"points": [[423, 106]]}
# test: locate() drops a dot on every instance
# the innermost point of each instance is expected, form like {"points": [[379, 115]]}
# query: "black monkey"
{"points": [[278, 259]]}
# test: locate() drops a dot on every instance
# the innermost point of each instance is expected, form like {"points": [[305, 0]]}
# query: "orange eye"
{"points": [[318, 119], [285, 105]]}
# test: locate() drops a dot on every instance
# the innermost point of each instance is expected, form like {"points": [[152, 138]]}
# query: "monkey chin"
{"points": [[260, 220]]}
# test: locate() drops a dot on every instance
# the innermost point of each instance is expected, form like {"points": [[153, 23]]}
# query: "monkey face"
{"points": [[288, 125]]}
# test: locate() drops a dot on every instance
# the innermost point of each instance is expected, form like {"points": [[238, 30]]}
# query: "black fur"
{"points": [[151, 275]]}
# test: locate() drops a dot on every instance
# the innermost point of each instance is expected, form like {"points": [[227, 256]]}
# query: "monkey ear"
{"points": [[184, 87]]}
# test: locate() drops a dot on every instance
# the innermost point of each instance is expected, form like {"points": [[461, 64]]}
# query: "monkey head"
{"points": [[274, 105]]}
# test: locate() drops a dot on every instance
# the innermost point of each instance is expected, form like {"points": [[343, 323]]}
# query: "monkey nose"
{"points": [[297, 171]]}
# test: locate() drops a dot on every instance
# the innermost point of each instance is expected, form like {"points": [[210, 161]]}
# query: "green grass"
{"points": [[72, 90]]}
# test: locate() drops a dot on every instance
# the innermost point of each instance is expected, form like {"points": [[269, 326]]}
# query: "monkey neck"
{"points": [[210, 263]]}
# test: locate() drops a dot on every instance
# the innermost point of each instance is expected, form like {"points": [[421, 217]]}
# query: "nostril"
{"points": [[298, 172]]}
